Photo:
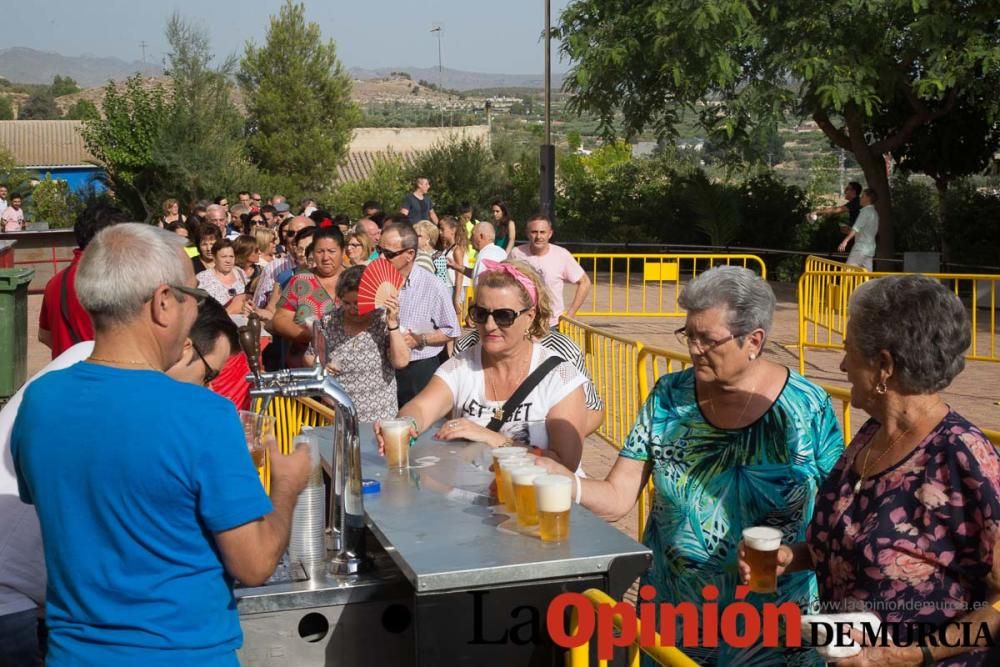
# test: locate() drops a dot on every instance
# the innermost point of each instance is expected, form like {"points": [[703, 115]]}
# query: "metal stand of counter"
{"points": [[454, 581]]}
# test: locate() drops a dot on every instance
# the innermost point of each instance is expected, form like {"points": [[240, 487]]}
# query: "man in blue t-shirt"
{"points": [[148, 502], [417, 205]]}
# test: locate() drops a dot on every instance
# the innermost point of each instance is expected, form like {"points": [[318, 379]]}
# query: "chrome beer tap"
{"points": [[347, 510]]}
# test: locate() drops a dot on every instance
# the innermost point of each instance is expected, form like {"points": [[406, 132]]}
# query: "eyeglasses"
{"points": [[701, 345], [210, 373], [256, 198], [504, 317], [198, 294], [391, 254], [354, 245]]}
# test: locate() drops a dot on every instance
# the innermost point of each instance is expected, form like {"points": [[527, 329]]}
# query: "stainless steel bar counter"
{"points": [[454, 582]]}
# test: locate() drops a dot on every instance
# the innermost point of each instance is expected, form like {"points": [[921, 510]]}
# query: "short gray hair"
{"points": [[486, 229], [747, 298], [918, 321], [123, 266]]}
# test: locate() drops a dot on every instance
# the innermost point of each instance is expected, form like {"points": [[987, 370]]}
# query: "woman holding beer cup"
{"points": [[734, 441], [511, 311], [910, 516]]}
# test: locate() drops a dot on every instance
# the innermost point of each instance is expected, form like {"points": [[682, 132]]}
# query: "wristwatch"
{"points": [[423, 341]]}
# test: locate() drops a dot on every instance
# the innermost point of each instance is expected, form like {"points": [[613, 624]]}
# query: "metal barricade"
{"points": [[647, 285], [668, 656], [825, 289]]}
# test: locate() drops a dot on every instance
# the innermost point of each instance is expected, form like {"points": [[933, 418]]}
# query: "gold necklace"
{"points": [[120, 362], [497, 411], [739, 420], [868, 453]]}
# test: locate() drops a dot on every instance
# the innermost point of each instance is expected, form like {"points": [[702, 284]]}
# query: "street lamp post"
{"points": [[437, 29], [547, 156]]}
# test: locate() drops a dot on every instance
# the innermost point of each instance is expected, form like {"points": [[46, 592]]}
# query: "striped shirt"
{"points": [[267, 278], [425, 305], [564, 347]]}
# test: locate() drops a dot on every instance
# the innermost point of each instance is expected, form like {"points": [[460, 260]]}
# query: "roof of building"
{"points": [[45, 143], [358, 164]]}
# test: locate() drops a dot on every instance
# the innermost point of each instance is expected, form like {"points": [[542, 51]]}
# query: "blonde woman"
{"points": [[266, 244], [171, 212], [357, 248], [427, 237], [453, 242]]}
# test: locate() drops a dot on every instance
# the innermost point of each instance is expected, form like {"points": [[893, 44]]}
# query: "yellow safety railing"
{"points": [[668, 656], [651, 283], [825, 288]]}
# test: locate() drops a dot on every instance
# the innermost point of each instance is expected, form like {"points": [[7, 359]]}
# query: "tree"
{"points": [[741, 62], [298, 96], [40, 106], [63, 86], [82, 110], [6, 108]]}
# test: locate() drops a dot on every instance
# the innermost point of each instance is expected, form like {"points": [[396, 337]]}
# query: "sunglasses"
{"points": [[391, 254], [210, 373], [504, 317], [198, 294]]}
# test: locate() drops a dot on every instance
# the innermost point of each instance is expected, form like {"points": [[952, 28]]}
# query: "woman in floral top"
{"points": [[906, 524]]}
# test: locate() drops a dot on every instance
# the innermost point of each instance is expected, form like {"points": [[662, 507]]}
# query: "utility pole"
{"points": [[547, 156], [143, 45], [843, 161], [437, 29]]}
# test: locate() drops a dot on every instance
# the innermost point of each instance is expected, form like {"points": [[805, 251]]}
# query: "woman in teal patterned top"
{"points": [[734, 441]]}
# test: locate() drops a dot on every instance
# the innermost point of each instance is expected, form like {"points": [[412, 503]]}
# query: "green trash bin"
{"points": [[13, 330]]}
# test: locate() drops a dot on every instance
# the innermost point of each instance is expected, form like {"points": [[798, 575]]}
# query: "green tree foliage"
{"points": [[40, 106], [741, 62], [460, 171], [54, 203], [63, 85], [16, 180], [386, 183], [82, 110], [6, 108], [298, 99]]}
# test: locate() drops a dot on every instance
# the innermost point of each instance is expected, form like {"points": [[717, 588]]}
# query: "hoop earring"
{"points": [[880, 388]]}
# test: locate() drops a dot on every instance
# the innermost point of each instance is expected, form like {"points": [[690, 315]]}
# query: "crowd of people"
{"points": [[909, 512]]}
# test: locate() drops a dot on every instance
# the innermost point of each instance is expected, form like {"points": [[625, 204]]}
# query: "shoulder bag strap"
{"points": [[523, 390]]}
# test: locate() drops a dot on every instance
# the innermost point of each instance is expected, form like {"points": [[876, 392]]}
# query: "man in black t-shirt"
{"points": [[417, 205], [852, 207]]}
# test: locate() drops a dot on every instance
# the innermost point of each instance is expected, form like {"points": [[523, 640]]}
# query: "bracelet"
{"points": [[395, 328], [579, 489], [928, 658]]}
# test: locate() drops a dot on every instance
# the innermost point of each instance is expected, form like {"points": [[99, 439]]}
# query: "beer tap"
{"points": [[347, 510]]}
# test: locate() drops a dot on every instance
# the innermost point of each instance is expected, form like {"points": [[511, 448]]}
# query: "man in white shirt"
{"points": [[863, 233], [555, 264], [483, 235], [3, 199]]}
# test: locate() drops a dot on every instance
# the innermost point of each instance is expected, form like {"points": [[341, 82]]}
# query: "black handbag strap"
{"points": [[523, 390], [64, 308]]}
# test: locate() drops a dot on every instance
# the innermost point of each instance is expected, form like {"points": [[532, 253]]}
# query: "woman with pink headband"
{"points": [[474, 388]]}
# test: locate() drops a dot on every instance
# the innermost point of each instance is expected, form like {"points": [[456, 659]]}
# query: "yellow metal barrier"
{"points": [[825, 288], [668, 656], [641, 285]]}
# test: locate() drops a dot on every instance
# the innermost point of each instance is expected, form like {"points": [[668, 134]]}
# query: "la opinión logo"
{"points": [[738, 625]]}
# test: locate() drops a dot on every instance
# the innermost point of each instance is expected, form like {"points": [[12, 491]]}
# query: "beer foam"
{"points": [[503, 452], [762, 538], [510, 462], [390, 425], [525, 475], [554, 493]]}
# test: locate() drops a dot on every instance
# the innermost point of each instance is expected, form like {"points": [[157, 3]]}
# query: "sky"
{"points": [[500, 37]]}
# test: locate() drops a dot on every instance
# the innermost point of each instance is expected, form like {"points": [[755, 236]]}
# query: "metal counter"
{"points": [[455, 581]]}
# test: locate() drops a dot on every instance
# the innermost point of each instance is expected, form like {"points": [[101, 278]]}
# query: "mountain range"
{"points": [[23, 65]]}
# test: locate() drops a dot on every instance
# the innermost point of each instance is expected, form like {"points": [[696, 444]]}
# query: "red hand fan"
{"points": [[379, 281]]}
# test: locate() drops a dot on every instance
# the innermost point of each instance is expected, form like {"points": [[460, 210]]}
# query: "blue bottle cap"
{"points": [[370, 486]]}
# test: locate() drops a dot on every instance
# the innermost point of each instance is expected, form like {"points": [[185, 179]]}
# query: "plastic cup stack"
{"points": [[306, 544]]}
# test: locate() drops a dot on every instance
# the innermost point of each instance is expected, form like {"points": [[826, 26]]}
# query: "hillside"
{"points": [[26, 65]]}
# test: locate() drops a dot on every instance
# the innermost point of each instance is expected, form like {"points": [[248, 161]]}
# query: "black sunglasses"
{"points": [[210, 373], [196, 292], [391, 254], [504, 317]]}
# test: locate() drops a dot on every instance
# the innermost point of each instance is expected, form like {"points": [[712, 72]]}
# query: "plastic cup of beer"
{"points": [[760, 544], [396, 435], [553, 497], [500, 453], [258, 429], [523, 481], [506, 486]]}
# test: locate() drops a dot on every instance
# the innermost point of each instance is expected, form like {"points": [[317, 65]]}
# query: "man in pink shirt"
{"points": [[556, 265], [13, 215]]}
